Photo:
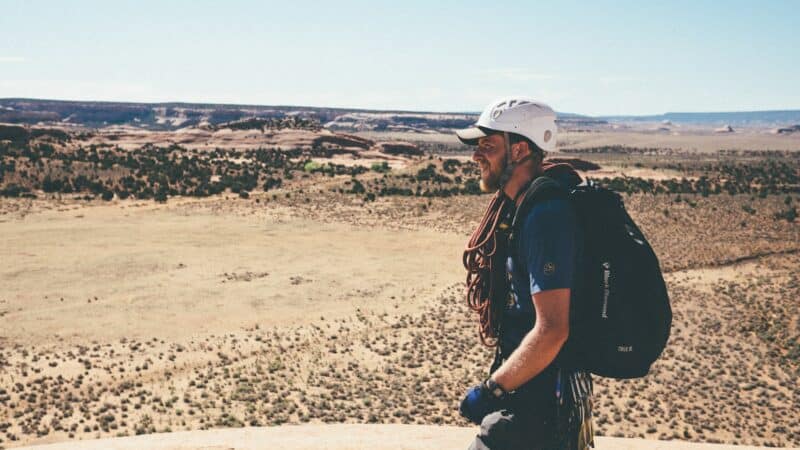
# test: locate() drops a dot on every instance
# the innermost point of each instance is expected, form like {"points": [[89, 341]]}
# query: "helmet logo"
{"points": [[496, 113], [547, 135]]}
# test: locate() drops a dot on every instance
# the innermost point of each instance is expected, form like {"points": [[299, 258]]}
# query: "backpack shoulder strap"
{"points": [[542, 188]]}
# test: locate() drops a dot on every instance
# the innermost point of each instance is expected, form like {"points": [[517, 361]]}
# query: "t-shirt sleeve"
{"points": [[548, 245]]}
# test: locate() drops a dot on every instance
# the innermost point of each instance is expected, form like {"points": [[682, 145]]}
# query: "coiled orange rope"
{"points": [[481, 258]]}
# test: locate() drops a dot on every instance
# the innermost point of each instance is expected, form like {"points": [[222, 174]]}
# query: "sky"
{"points": [[592, 57]]}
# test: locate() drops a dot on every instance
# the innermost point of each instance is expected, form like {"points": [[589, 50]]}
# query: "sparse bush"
{"points": [[381, 167], [789, 214]]}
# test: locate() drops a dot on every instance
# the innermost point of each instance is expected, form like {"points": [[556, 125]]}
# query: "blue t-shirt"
{"points": [[546, 251]]}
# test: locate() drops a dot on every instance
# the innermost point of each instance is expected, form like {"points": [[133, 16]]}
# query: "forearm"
{"points": [[536, 351]]}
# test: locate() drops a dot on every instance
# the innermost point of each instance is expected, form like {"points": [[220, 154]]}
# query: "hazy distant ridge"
{"points": [[172, 115], [785, 117]]}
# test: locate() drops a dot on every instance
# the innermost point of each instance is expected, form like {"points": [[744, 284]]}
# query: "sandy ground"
{"points": [[341, 437], [143, 272], [691, 140]]}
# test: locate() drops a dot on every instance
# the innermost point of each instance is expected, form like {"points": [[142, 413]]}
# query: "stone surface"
{"points": [[340, 437]]}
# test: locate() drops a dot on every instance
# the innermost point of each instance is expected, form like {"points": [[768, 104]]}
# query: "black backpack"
{"points": [[620, 315]]}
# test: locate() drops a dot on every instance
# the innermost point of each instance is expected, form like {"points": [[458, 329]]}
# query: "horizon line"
{"points": [[360, 109]]}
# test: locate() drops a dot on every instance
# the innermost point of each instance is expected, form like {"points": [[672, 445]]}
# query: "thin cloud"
{"points": [[617, 79], [12, 59], [518, 74], [521, 74]]}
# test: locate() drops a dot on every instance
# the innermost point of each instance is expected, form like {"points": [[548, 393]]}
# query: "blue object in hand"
{"points": [[478, 403]]}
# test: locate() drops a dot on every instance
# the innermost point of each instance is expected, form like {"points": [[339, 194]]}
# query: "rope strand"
{"points": [[479, 259]]}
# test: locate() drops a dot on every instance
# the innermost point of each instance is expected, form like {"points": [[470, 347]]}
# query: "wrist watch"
{"points": [[495, 389]]}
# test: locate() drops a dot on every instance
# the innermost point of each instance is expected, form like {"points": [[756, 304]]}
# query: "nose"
{"points": [[476, 154]]}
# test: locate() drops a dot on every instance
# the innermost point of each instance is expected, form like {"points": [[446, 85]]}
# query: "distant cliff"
{"points": [[717, 119], [172, 116]]}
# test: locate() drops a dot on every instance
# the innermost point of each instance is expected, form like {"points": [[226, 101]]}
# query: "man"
{"points": [[523, 293]]}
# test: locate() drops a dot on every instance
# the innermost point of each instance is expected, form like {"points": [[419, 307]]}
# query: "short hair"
{"points": [[517, 138]]}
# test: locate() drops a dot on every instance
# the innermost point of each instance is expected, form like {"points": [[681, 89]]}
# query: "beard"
{"points": [[490, 179], [489, 186]]}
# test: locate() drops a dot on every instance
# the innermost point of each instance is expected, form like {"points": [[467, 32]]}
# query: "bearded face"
{"points": [[490, 178], [490, 156]]}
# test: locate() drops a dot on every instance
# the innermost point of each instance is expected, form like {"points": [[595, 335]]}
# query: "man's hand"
{"points": [[478, 403]]}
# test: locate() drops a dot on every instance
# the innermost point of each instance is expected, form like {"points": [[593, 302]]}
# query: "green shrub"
{"points": [[312, 166], [381, 167], [789, 214]]}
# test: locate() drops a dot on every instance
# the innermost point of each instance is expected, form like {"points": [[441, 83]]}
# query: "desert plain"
{"points": [[335, 296]]}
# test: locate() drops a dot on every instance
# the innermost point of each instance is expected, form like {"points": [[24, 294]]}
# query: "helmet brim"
{"points": [[471, 135]]}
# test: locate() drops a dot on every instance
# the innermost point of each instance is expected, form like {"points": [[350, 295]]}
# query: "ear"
{"points": [[520, 150]]}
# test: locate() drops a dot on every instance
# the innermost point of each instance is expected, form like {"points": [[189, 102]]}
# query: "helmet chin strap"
{"points": [[510, 165]]}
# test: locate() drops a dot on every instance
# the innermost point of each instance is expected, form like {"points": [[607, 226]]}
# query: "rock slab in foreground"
{"points": [[339, 437]]}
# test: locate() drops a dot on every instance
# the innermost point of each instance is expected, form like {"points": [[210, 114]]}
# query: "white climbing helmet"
{"points": [[521, 115]]}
